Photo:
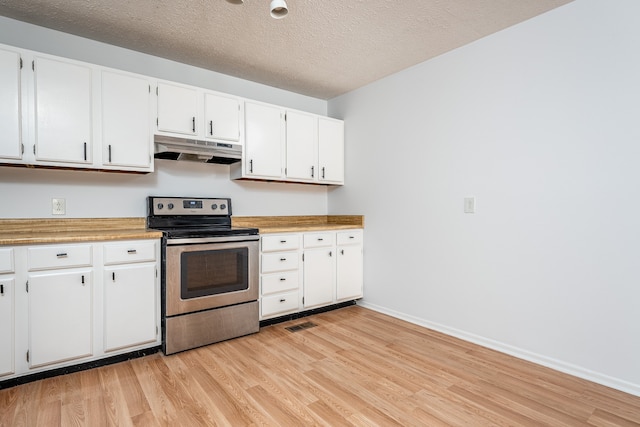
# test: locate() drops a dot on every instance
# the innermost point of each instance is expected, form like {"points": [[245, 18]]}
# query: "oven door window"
{"points": [[214, 272]]}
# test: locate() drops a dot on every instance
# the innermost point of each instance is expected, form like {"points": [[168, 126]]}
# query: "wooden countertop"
{"points": [[293, 224], [69, 230]]}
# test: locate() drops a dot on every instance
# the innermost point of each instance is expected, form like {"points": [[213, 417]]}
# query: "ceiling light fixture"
{"points": [[278, 9]]}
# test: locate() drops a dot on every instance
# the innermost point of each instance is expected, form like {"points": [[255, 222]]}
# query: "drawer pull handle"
{"points": [[132, 251], [320, 239], [352, 237], [283, 241], [283, 259], [82, 279], [61, 255], [113, 276], [282, 279], [282, 300]]}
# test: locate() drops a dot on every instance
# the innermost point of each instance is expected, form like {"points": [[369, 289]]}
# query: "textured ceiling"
{"points": [[323, 48]]}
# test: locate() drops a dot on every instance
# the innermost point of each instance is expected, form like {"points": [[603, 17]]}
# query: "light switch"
{"points": [[469, 205]]}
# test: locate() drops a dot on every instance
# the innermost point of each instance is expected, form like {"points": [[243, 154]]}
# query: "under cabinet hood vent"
{"points": [[167, 147]]}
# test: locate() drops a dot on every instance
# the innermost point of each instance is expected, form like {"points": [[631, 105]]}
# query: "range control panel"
{"points": [[187, 206]]}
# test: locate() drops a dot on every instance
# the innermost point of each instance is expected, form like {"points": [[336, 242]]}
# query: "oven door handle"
{"points": [[222, 239]]}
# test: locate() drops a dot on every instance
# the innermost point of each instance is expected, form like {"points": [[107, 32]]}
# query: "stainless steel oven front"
{"points": [[211, 290]]}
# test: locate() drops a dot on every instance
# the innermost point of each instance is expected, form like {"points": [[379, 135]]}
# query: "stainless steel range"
{"points": [[210, 280]]}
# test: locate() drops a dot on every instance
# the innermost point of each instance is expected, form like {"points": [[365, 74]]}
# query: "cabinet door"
{"points": [[126, 113], [264, 139], [10, 125], [331, 150], [6, 326], [319, 277], [129, 306], [177, 109], [60, 318], [349, 272], [63, 111], [302, 142], [221, 117]]}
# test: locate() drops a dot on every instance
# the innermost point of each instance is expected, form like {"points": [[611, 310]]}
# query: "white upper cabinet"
{"points": [[330, 151], [264, 140], [10, 104], [289, 145], [221, 117], [178, 109], [302, 143], [126, 122], [63, 111]]}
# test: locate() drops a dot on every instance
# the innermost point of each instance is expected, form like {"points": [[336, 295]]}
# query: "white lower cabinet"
{"points": [[64, 304], [349, 265], [129, 306], [301, 271], [60, 316], [7, 311], [7, 286], [279, 274], [319, 265]]}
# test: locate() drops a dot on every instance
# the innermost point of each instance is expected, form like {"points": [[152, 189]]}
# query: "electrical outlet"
{"points": [[469, 205], [58, 207]]}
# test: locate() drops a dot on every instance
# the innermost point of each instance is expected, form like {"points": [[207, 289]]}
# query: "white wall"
{"points": [[27, 193], [541, 123]]}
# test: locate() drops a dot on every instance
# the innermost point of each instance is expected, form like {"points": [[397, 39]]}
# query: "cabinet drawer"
{"points": [[122, 253], [273, 283], [280, 242], [6, 260], [317, 240], [279, 262], [278, 304], [49, 257], [349, 237]]}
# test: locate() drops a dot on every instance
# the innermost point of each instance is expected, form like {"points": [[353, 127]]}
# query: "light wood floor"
{"points": [[356, 367]]}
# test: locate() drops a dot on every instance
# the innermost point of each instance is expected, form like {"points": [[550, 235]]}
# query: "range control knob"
{"points": [[223, 206], [214, 206], [160, 206], [170, 205]]}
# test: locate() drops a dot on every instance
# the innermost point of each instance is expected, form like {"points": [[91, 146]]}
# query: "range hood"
{"points": [[167, 147]]}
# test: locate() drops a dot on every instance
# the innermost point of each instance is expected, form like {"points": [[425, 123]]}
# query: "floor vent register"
{"points": [[301, 326]]}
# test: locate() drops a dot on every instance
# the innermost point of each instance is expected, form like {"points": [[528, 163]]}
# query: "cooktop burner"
{"points": [[208, 232]]}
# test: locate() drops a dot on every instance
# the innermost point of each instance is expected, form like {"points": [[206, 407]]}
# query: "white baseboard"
{"points": [[539, 359]]}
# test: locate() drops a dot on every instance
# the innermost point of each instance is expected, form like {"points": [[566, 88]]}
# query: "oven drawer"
{"points": [[279, 262], [122, 253], [274, 283], [6, 260], [279, 304], [50, 257], [280, 242], [318, 240], [349, 237]]}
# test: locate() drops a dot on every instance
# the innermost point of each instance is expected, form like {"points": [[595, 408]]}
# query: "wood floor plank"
{"points": [[356, 367]]}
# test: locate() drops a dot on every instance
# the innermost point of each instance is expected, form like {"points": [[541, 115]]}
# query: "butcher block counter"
{"points": [[293, 224], [67, 230]]}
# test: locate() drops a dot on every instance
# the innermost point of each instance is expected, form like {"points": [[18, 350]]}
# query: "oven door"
{"points": [[210, 275]]}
